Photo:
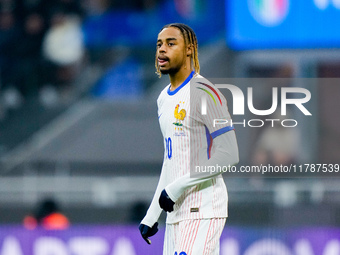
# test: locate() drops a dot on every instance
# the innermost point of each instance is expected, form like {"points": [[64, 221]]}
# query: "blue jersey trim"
{"points": [[221, 131], [209, 142], [171, 93]]}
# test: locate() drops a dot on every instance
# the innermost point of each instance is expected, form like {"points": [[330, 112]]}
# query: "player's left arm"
{"points": [[226, 153]]}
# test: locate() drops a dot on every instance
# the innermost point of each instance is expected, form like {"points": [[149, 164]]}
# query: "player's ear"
{"points": [[189, 50]]}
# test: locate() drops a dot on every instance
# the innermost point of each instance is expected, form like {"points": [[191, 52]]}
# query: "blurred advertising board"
{"points": [[267, 24], [117, 240]]}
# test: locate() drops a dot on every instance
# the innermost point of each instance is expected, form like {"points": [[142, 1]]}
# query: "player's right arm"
{"points": [[148, 226], [155, 210]]}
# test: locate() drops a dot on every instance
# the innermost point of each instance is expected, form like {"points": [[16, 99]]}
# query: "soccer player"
{"points": [[196, 202]]}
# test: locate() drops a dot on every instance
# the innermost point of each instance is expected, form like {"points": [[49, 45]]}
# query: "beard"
{"points": [[171, 70]]}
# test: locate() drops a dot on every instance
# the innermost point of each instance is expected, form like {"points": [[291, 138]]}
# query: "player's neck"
{"points": [[178, 78]]}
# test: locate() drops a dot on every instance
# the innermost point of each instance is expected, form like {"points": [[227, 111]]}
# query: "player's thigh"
{"points": [[194, 237], [170, 239], [207, 239]]}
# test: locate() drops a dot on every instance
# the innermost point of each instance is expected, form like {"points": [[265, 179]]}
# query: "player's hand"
{"points": [[165, 202], [146, 231]]}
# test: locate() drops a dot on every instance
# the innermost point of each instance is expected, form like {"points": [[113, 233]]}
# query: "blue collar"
{"points": [[171, 93]]}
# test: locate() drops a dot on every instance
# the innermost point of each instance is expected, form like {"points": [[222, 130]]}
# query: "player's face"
{"points": [[171, 54]]}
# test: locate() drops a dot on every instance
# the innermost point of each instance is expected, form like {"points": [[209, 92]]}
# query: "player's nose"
{"points": [[162, 48]]}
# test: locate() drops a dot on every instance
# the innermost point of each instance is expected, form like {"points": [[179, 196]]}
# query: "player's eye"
{"points": [[171, 44], [158, 45]]}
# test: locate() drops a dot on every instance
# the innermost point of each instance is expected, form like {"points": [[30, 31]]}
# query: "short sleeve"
{"points": [[211, 107]]}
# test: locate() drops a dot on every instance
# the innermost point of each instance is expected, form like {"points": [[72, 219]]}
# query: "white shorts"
{"points": [[194, 237]]}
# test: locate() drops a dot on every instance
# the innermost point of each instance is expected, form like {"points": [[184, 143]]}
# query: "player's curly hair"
{"points": [[189, 39]]}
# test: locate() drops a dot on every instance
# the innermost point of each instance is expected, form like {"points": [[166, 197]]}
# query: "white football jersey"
{"points": [[188, 141]]}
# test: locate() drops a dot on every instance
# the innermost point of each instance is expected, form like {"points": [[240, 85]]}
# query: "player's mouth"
{"points": [[162, 60]]}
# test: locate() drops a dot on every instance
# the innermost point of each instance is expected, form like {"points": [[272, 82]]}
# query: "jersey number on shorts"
{"points": [[168, 146]]}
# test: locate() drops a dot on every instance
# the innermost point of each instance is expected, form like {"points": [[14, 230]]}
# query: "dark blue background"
{"points": [[305, 26]]}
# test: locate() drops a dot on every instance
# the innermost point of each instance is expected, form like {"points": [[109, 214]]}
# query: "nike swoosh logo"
{"points": [[160, 115]]}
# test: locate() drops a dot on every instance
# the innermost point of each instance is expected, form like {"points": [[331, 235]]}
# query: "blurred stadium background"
{"points": [[78, 122]]}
